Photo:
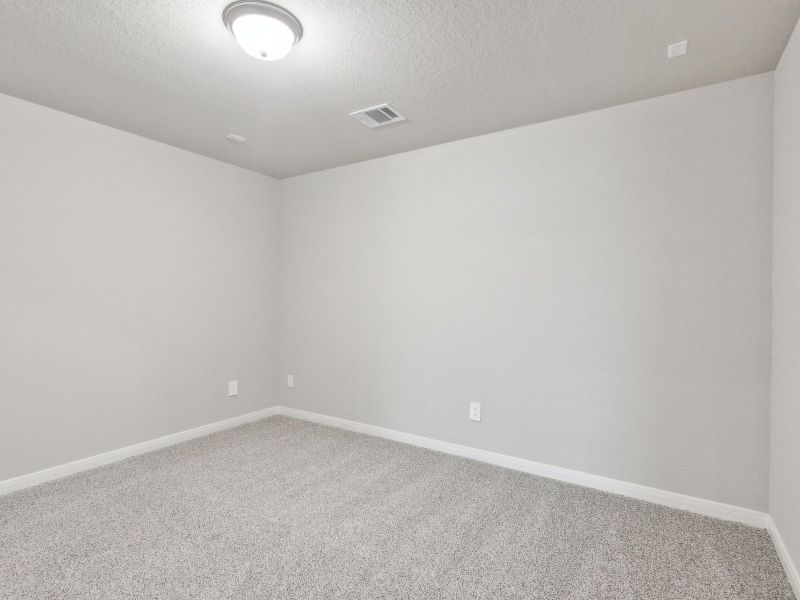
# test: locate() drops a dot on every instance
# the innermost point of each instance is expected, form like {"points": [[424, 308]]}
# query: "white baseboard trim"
{"points": [[24, 481], [709, 508], [783, 553]]}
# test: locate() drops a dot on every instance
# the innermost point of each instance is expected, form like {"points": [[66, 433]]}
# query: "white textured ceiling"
{"points": [[169, 70]]}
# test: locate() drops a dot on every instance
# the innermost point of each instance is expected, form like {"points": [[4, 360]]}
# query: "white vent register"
{"points": [[377, 116]]}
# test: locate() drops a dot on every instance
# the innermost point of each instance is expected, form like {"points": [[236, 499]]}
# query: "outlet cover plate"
{"points": [[475, 411]]}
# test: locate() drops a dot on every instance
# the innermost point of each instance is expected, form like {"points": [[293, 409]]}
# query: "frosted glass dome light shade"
{"points": [[264, 30]]}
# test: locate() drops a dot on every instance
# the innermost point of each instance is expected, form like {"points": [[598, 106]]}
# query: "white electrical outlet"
{"points": [[475, 411], [233, 388], [290, 380]]}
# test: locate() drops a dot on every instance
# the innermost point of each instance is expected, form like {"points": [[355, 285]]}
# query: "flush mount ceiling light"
{"points": [[263, 30]]}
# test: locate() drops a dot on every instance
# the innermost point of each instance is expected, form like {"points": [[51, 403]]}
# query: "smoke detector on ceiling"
{"points": [[378, 116]]}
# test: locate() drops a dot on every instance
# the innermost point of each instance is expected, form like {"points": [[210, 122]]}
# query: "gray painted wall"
{"points": [[785, 457], [600, 283], [136, 279]]}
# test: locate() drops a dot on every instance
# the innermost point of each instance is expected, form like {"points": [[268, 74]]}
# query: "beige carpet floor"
{"points": [[287, 509]]}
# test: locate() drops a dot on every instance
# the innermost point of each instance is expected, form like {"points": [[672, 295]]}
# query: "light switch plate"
{"points": [[233, 388]]}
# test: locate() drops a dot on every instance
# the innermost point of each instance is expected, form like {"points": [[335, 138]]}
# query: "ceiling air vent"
{"points": [[383, 114]]}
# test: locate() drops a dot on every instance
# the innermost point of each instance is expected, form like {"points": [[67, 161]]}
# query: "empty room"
{"points": [[432, 299]]}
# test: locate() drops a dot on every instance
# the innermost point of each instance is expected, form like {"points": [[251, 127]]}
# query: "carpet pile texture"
{"points": [[287, 509]]}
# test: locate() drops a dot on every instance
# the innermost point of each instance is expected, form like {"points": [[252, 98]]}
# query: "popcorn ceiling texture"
{"points": [[292, 510], [169, 70]]}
